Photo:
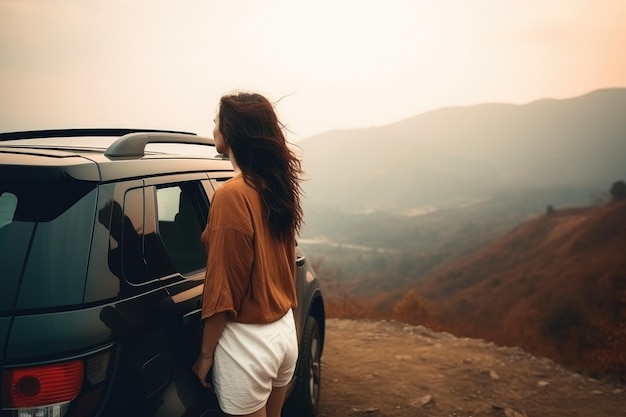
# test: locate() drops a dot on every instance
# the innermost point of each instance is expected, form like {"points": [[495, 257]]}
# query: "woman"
{"points": [[249, 338]]}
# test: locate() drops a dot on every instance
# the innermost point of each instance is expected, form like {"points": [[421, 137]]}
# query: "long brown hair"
{"points": [[249, 124]]}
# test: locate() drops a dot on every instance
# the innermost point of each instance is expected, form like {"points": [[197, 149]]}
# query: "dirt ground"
{"points": [[390, 369]]}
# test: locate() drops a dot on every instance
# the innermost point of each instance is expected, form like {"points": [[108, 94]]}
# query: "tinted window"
{"points": [[132, 241], [181, 215], [45, 232], [8, 204], [14, 238], [159, 232], [132, 227]]}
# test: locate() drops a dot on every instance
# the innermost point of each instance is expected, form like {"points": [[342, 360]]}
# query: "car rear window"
{"points": [[45, 231]]}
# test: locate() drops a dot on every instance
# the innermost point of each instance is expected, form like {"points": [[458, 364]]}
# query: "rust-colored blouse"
{"points": [[250, 275]]}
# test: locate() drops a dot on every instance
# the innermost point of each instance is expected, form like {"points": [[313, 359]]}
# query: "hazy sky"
{"points": [[337, 63]]}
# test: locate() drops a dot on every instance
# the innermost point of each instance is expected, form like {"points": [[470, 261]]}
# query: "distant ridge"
{"points": [[458, 153]]}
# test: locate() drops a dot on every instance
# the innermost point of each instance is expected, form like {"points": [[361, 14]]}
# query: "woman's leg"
{"points": [[260, 413], [273, 407], [275, 403]]}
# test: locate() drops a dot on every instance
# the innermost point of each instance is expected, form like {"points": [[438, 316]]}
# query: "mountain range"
{"points": [[494, 219], [458, 154]]}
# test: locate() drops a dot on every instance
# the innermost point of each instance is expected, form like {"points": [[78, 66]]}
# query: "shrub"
{"points": [[559, 322], [618, 190], [412, 308]]}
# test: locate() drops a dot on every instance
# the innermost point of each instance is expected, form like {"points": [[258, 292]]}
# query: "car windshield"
{"points": [[45, 230]]}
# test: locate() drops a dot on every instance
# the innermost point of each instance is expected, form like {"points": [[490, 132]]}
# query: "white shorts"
{"points": [[250, 359]]}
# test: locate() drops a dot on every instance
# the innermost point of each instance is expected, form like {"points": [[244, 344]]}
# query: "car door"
{"points": [[158, 255], [180, 214]]}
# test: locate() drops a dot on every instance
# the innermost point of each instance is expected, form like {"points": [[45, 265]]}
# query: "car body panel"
{"points": [[134, 320], [5, 325]]}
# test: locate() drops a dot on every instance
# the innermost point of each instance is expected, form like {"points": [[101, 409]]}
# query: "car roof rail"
{"points": [[58, 133], [134, 144]]}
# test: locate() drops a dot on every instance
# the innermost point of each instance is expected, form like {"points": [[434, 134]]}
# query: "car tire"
{"points": [[305, 398]]}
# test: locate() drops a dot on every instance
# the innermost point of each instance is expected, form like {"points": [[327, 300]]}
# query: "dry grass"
{"points": [[555, 286]]}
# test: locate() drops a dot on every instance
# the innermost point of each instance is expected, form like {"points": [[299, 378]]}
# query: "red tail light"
{"points": [[41, 385]]}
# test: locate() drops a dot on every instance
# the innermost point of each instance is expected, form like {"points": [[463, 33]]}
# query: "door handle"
{"points": [[192, 316]]}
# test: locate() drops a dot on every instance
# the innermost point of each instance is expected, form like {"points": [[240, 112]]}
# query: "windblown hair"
{"points": [[249, 124]]}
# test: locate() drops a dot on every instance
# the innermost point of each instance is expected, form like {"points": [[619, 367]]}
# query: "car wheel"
{"points": [[305, 398]]}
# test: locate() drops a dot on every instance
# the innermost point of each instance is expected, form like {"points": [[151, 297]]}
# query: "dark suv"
{"points": [[101, 275]]}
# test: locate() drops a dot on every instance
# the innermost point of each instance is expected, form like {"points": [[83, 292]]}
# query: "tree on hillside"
{"points": [[412, 308], [618, 190]]}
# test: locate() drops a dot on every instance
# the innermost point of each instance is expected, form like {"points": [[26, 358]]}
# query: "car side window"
{"points": [[136, 234], [161, 228], [8, 204], [181, 217]]}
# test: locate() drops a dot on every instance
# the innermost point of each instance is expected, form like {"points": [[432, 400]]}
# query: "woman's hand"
{"points": [[213, 327], [201, 368]]}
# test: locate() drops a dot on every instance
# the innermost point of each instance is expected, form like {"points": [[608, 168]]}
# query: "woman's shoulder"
{"points": [[235, 186], [235, 200]]}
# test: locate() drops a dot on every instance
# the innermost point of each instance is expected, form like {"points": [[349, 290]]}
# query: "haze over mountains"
{"points": [[460, 154], [491, 221]]}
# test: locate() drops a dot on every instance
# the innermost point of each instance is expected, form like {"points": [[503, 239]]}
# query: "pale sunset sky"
{"points": [[334, 63]]}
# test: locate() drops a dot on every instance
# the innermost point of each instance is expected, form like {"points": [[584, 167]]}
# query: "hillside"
{"points": [[411, 221], [555, 285], [382, 251], [391, 369], [460, 154]]}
